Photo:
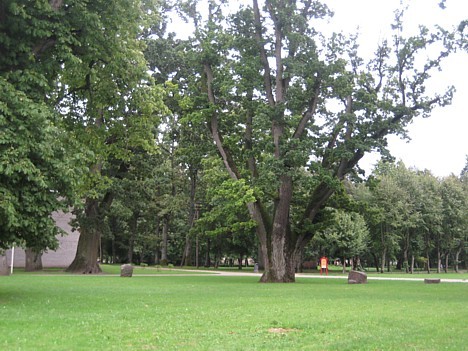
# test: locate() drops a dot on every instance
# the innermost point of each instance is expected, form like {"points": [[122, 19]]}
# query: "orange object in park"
{"points": [[324, 265]]}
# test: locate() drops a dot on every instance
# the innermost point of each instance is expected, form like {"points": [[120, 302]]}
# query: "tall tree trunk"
{"points": [[344, 265], [33, 260], [133, 232], [207, 253], [376, 262], [86, 258], [428, 262], [384, 259], [157, 257], [412, 264], [405, 251], [113, 249], [439, 259], [457, 256], [239, 262], [447, 254], [165, 235], [193, 214]]}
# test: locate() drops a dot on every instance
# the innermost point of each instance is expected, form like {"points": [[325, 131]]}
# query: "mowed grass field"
{"points": [[176, 312]]}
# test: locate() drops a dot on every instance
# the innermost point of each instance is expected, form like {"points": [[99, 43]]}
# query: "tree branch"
{"points": [[214, 127], [263, 55]]}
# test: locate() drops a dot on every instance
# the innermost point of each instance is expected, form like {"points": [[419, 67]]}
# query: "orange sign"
{"points": [[324, 265]]}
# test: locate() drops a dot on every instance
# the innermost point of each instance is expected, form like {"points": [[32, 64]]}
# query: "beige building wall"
{"points": [[66, 251]]}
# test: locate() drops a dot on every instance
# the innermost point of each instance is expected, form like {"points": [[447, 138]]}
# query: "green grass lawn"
{"points": [[39, 312], [115, 269]]}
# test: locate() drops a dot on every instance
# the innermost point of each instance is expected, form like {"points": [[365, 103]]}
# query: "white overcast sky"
{"points": [[438, 143]]}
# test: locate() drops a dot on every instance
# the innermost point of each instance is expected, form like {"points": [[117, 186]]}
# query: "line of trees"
{"points": [[234, 141], [402, 217]]}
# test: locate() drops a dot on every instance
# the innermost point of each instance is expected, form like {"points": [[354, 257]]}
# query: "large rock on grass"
{"points": [[126, 270], [356, 277]]}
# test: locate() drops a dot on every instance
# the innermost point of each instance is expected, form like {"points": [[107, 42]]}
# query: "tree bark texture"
{"points": [[86, 258], [4, 265], [33, 260]]}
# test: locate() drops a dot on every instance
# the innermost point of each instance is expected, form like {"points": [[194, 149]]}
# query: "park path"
{"points": [[314, 276]]}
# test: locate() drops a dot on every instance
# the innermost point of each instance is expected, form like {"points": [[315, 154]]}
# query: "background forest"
{"points": [[242, 140]]}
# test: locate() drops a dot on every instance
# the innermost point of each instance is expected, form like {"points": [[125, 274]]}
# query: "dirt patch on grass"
{"points": [[282, 330]]}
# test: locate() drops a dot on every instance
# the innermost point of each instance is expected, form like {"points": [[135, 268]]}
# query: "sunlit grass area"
{"points": [[42, 312]]}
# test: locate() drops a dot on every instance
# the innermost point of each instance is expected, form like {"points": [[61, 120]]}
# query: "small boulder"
{"points": [[126, 270], [356, 277]]}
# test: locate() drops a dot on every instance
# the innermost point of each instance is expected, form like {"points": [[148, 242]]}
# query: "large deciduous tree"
{"points": [[293, 112], [39, 164], [109, 103]]}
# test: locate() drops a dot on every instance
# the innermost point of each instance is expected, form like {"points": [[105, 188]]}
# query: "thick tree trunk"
{"points": [[86, 258], [3, 264], [239, 262], [33, 260], [446, 262]]}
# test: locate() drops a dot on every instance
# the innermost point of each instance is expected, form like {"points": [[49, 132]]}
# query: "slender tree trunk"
{"points": [[412, 264], [33, 260], [113, 249], [428, 262], [165, 235], [457, 256], [197, 251], [376, 262], [344, 265], [187, 256], [86, 258], [446, 262], [157, 257], [207, 254], [133, 233], [383, 258], [405, 252], [439, 259]]}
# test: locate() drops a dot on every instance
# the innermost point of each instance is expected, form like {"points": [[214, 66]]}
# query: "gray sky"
{"points": [[440, 142]]}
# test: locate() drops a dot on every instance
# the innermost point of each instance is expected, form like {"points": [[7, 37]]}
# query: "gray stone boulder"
{"points": [[356, 277], [126, 270]]}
